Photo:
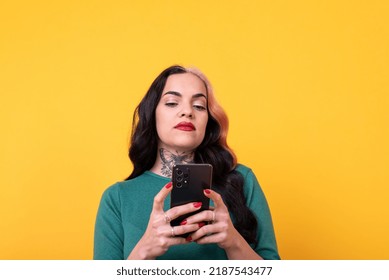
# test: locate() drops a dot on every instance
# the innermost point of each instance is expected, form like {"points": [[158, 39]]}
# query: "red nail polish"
{"points": [[197, 204], [168, 185], [189, 239], [207, 191], [201, 224], [183, 222]]}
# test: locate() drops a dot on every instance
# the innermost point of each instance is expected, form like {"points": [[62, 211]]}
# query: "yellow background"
{"points": [[305, 84]]}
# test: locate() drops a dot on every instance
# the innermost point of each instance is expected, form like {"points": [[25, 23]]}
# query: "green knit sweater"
{"points": [[125, 209]]}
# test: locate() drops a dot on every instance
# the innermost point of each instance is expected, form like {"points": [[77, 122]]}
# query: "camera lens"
{"points": [[179, 172], [179, 179], [179, 185]]}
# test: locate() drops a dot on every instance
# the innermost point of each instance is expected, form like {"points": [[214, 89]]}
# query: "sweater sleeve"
{"points": [[256, 201], [108, 237]]}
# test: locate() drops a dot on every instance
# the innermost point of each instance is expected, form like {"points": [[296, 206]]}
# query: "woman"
{"points": [[179, 121]]}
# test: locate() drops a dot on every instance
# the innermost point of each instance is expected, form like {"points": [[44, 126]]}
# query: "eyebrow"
{"points": [[197, 95]]}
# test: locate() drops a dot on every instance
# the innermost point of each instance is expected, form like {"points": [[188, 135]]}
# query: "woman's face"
{"points": [[181, 114]]}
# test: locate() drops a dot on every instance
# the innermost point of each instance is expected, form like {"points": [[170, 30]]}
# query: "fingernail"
{"points": [[189, 239], [183, 222], [201, 224], [207, 191], [197, 204], [168, 185]]}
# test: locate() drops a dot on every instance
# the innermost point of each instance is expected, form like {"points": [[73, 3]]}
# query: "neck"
{"points": [[167, 159]]}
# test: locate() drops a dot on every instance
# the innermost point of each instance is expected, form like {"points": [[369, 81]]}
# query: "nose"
{"points": [[186, 114], [187, 111]]}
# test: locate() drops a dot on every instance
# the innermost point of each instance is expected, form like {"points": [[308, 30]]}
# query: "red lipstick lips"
{"points": [[186, 126]]}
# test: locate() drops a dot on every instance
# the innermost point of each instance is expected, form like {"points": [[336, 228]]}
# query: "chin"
{"points": [[187, 143], [185, 146]]}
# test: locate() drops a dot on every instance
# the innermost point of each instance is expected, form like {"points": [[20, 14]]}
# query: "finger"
{"points": [[205, 231], [169, 240], [160, 197], [179, 230], [216, 198], [177, 241], [206, 215], [213, 238], [178, 211]]}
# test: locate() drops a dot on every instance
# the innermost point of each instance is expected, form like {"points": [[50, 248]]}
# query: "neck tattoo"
{"points": [[169, 159]]}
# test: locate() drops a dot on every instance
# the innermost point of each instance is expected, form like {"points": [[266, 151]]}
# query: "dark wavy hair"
{"points": [[213, 149]]}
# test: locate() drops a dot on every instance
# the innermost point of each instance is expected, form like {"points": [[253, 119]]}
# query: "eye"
{"points": [[171, 104], [199, 107]]}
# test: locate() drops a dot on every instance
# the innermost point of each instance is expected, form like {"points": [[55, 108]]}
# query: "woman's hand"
{"points": [[220, 230], [160, 235]]}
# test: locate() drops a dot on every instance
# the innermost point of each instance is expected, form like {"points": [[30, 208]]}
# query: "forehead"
{"points": [[185, 83]]}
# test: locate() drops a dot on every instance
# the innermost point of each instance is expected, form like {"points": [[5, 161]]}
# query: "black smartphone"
{"points": [[189, 181]]}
